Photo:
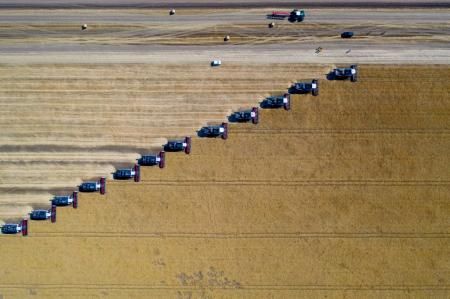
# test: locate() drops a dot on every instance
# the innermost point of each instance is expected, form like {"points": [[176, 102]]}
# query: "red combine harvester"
{"points": [[152, 160], [94, 186], [66, 200], [15, 228], [179, 145]]}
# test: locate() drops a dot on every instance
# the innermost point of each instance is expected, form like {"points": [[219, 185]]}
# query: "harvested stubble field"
{"points": [[64, 123], [346, 195]]}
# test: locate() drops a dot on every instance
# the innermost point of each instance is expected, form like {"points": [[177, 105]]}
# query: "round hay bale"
{"points": [[84, 27], [226, 38], [271, 25], [172, 12]]}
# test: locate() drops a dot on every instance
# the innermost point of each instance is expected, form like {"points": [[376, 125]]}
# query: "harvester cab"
{"points": [[179, 145], [304, 87], [94, 186], [214, 131], [128, 173], [345, 73], [152, 160], [246, 116]]}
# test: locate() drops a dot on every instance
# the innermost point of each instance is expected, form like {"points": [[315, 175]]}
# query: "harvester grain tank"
{"points": [[179, 145], [128, 173], [152, 160], [246, 116], [15, 228], [305, 87], [345, 73], [66, 200], [214, 131], [275, 102], [94, 186]]}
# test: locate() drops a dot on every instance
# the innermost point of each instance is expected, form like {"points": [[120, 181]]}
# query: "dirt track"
{"points": [[345, 195]]}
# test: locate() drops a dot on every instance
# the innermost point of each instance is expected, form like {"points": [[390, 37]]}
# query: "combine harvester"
{"points": [[293, 16], [44, 214], [94, 186], [275, 102], [214, 131], [128, 173], [66, 200], [344, 73], [152, 160], [179, 145], [15, 228], [304, 88], [246, 116]]}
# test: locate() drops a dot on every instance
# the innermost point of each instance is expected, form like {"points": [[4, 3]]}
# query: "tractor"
{"points": [[296, 16], [246, 116], [275, 102], [179, 145], [303, 87], [152, 160], [128, 173], [214, 131], [66, 200], [345, 73], [293, 16], [94, 186]]}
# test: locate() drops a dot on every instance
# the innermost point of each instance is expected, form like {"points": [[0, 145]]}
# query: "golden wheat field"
{"points": [[346, 195], [62, 124]]}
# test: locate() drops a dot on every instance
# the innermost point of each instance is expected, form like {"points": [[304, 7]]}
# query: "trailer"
{"points": [[152, 160], [279, 15], [179, 145], [94, 186]]}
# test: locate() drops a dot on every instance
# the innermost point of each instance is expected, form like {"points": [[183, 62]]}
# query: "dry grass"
{"points": [[345, 195]]}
